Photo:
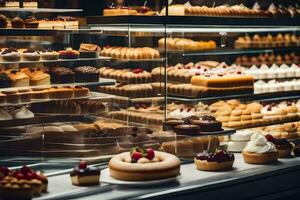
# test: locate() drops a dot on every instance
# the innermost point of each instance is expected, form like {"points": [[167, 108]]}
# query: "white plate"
{"points": [[106, 178]]}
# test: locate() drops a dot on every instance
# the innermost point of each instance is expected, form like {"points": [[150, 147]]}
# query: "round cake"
{"points": [[208, 124], [143, 165]]}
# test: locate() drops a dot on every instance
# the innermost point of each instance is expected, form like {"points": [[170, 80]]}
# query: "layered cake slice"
{"points": [[85, 175]]}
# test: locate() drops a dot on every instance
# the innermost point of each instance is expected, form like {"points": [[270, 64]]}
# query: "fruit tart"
{"points": [[283, 146], [220, 160], [85, 175], [143, 165]]}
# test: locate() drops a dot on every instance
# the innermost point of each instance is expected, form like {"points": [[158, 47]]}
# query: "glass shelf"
{"points": [[286, 95], [54, 61], [101, 82], [40, 10]]}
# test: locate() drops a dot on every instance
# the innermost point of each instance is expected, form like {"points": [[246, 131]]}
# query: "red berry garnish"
{"points": [[20, 176], [150, 154], [270, 138], [82, 165], [136, 156], [28, 176], [25, 170]]}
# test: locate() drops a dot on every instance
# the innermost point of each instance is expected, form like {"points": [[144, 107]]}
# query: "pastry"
{"points": [[68, 53], [3, 21], [86, 74], [38, 77], [12, 96], [61, 92], [4, 115], [239, 140], [85, 175], [187, 129], [143, 165], [81, 91], [10, 55], [17, 22], [30, 4], [113, 11], [184, 44], [18, 78], [220, 160], [208, 124], [62, 75], [282, 145], [30, 55], [31, 22], [12, 4], [89, 50], [2, 98], [22, 113], [25, 95], [260, 151], [48, 54]]}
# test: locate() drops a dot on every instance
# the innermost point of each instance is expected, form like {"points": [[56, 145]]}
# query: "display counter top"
{"points": [[192, 182]]}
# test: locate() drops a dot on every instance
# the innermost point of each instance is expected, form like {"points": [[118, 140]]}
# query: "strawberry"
{"points": [[82, 165], [20, 176], [28, 176], [136, 156], [150, 154]]}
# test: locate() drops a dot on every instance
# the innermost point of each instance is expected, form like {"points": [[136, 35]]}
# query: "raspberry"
{"points": [[150, 154]]}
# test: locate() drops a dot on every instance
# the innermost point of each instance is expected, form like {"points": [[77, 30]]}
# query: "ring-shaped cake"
{"points": [[164, 165]]}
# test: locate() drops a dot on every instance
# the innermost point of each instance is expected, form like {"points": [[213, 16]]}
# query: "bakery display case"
{"points": [[205, 94]]}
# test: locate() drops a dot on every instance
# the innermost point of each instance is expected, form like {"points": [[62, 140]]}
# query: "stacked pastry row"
{"points": [[117, 11], [130, 53], [183, 73], [43, 93], [274, 71], [61, 22], [134, 76], [13, 55], [74, 107], [233, 11], [185, 44], [45, 76], [276, 86], [256, 40], [16, 4], [15, 113], [235, 114], [268, 59]]}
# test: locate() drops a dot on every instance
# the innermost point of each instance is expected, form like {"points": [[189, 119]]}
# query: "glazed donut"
{"points": [[167, 166]]}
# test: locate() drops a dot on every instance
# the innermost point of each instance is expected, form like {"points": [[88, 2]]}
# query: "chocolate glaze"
{"points": [[89, 171]]}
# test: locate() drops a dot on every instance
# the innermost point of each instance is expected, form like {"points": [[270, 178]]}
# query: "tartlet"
{"points": [[260, 151], [282, 145], [220, 160], [68, 53]]}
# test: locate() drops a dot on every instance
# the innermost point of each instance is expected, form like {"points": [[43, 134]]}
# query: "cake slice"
{"points": [[84, 175]]}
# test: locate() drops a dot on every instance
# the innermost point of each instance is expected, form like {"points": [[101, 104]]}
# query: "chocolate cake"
{"points": [[208, 123], [3, 21], [62, 75], [5, 81], [17, 22], [31, 22], [86, 74], [187, 129]]}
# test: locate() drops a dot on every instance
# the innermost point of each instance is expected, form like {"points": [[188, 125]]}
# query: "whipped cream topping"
{"points": [[259, 144], [22, 113], [242, 135]]}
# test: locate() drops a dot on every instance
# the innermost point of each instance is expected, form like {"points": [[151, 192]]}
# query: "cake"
{"points": [[12, 96], [284, 147], [30, 55], [187, 129], [25, 95], [38, 77], [12, 4], [30, 4], [10, 55], [220, 160], [143, 165], [3, 21], [18, 78], [184, 44], [62, 75], [48, 54], [89, 50], [68, 53], [31, 22], [17, 22], [81, 91], [112, 11], [260, 151], [208, 124], [3, 98], [61, 92], [86, 74], [84, 175]]}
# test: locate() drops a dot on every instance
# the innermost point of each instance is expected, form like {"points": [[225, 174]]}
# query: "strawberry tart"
{"points": [[144, 165]]}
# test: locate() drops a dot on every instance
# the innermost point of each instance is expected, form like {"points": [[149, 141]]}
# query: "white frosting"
{"points": [[4, 115], [242, 135], [22, 113], [180, 114], [236, 146], [259, 144]]}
